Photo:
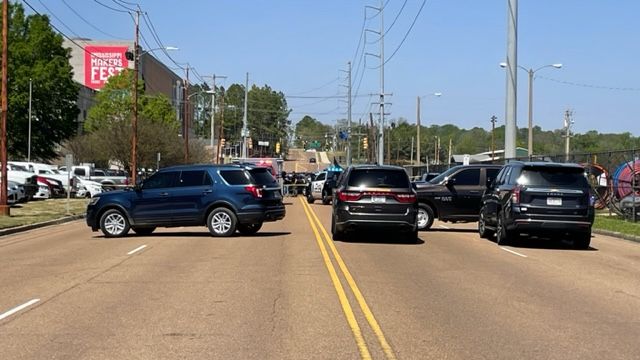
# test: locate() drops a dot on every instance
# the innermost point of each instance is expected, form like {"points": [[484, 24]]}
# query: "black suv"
{"points": [[225, 198], [454, 195], [538, 198], [374, 197]]}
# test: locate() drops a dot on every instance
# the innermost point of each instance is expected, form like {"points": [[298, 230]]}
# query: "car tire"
{"points": [[325, 197], [424, 217], [249, 229], [482, 227], [221, 222], [310, 198], [582, 241], [143, 231], [113, 223], [503, 236], [336, 235]]}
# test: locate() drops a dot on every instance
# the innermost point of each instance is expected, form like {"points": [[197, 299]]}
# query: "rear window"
{"points": [[383, 178], [553, 176], [262, 176], [235, 177]]}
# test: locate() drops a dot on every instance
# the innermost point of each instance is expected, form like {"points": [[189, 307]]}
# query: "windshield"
{"points": [[553, 176], [382, 178], [440, 178]]}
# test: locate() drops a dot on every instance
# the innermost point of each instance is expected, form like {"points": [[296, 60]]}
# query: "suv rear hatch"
{"points": [[374, 191], [265, 186], [553, 190]]}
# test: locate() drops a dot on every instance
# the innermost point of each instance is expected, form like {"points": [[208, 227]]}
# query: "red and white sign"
{"points": [[101, 62]]}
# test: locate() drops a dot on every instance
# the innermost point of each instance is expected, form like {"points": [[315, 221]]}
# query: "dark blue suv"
{"points": [[225, 198]]}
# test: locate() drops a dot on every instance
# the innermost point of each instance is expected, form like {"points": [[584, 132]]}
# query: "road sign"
{"points": [[263, 143]]}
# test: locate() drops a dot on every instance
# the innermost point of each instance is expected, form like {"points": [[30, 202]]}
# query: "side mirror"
{"points": [[450, 182]]}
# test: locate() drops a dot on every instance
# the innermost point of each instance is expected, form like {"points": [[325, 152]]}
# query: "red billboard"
{"points": [[100, 62]]}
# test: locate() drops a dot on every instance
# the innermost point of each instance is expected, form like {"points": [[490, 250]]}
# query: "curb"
{"points": [[22, 228], [616, 234]]}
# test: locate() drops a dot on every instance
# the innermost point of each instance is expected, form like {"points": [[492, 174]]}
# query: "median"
{"points": [[42, 211]]}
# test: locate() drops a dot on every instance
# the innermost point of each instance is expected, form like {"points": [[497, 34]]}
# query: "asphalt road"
{"points": [[290, 293]]}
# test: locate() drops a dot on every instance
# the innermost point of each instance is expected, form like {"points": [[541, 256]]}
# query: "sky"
{"points": [[302, 47]]}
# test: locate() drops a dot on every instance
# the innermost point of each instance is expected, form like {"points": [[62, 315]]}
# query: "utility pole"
{"points": [[29, 141], [493, 139], [134, 121], [381, 149], [4, 207], [349, 122], [450, 148], [220, 133], [213, 107], [372, 147], [245, 131], [568, 121], [412, 150], [418, 130], [186, 118], [436, 141], [512, 81]]}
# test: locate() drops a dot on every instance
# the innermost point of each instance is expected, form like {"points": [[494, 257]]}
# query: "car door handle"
{"points": [[207, 191], [164, 194]]}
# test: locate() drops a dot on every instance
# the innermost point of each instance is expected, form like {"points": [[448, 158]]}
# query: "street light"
{"points": [[135, 56], [436, 94], [531, 72]]}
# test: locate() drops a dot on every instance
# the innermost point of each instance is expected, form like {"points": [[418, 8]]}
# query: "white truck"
{"points": [[46, 171], [108, 182]]}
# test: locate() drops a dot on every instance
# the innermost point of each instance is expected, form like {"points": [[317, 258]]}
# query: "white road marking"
{"points": [[136, 249], [513, 252], [444, 227], [18, 308]]}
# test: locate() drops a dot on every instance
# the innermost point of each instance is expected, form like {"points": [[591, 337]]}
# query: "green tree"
{"points": [[109, 127], [309, 129], [36, 52]]}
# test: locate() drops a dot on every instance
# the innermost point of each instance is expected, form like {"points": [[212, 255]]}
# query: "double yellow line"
{"points": [[317, 228]]}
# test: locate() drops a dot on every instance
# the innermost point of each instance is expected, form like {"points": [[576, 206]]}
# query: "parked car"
{"points": [[322, 186], [535, 198], [28, 179], [454, 195], [47, 171], [225, 198], [87, 188], [374, 197], [20, 194]]}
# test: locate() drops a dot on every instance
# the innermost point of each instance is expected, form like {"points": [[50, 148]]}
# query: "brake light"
{"points": [[254, 190], [515, 197], [349, 196], [405, 198]]}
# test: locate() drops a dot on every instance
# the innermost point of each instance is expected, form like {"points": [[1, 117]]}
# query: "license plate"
{"points": [[378, 199], [554, 201]]}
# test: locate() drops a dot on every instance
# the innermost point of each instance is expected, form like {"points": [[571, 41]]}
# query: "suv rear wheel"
{"points": [[325, 197], [222, 222], [425, 217], [335, 233], [249, 229], [114, 223], [581, 241]]}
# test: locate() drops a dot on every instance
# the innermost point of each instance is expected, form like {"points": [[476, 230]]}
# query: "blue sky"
{"points": [[296, 46]]}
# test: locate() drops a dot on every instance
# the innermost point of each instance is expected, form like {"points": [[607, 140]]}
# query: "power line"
{"points": [[56, 17], [319, 87], [88, 22], [424, 2], [110, 8], [589, 85], [120, 3]]}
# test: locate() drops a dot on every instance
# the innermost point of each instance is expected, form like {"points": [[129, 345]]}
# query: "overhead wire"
{"points": [[588, 85], [88, 22], [57, 18], [120, 3], [424, 2], [110, 8]]}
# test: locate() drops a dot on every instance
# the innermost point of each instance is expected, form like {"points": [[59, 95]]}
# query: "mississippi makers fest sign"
{"points": [[101, 62]]}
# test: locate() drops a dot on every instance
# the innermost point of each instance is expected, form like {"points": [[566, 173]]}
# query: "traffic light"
{"points": [[277, 148], [250, 145], [365, 143], [222, 143]]}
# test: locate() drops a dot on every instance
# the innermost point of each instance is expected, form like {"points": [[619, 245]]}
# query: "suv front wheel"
{"points": [[503, 236], [482, 227], [114, 223], [222, 222]]}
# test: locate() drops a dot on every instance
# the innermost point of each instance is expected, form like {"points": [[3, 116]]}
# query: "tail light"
{"points": [[349, 196], [405, 198], [515, 197], [254, 190]]}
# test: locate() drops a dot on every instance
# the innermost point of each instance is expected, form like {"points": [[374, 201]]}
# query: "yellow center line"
{"points": [[368, 314], [342, 296]]}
